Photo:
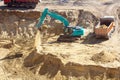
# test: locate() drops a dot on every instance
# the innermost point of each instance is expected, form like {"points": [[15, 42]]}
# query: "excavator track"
{"points": [[67, 38]]}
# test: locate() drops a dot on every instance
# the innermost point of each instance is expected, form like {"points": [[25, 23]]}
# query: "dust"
{"points": [[37, 44], [104, 57]]}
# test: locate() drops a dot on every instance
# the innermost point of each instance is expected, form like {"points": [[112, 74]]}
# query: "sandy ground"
{"points": [[82, 52]]}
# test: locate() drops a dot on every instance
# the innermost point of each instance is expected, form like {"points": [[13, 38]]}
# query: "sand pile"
{"points": [[103, 26], [104, 57]]}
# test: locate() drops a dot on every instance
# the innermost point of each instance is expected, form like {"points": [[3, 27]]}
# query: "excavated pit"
{"points": [[58, 61], [22, 23]]}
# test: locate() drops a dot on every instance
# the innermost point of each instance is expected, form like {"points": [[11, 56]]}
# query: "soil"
{"points": [[27, 54]]}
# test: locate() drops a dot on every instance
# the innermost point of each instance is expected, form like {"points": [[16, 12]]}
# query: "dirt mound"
{"points": [[52, 66], [43, 64], [104, 57], [87, 19]]}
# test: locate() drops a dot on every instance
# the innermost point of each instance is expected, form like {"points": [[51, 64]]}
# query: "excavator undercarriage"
{"points": [[67, 38]]}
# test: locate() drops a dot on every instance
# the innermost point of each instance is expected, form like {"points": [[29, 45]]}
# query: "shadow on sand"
{"points": [[91, 39]]}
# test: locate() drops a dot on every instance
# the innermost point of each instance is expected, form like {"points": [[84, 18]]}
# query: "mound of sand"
{"points": [[104, 57]]}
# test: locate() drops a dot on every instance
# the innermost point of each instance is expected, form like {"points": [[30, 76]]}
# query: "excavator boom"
{"points": [[53, 15]]}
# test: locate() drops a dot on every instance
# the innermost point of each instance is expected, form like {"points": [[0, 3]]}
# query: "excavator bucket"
{"points": [[67, 38]]}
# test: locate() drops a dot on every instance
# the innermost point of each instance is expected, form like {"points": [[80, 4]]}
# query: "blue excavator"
{"points": [[71, 33]]}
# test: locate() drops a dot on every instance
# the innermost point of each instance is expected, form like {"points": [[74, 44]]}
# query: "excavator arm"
{"points": [[53, 15]]}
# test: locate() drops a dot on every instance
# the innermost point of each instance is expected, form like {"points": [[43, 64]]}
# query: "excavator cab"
{"points": [[74, 31]]}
